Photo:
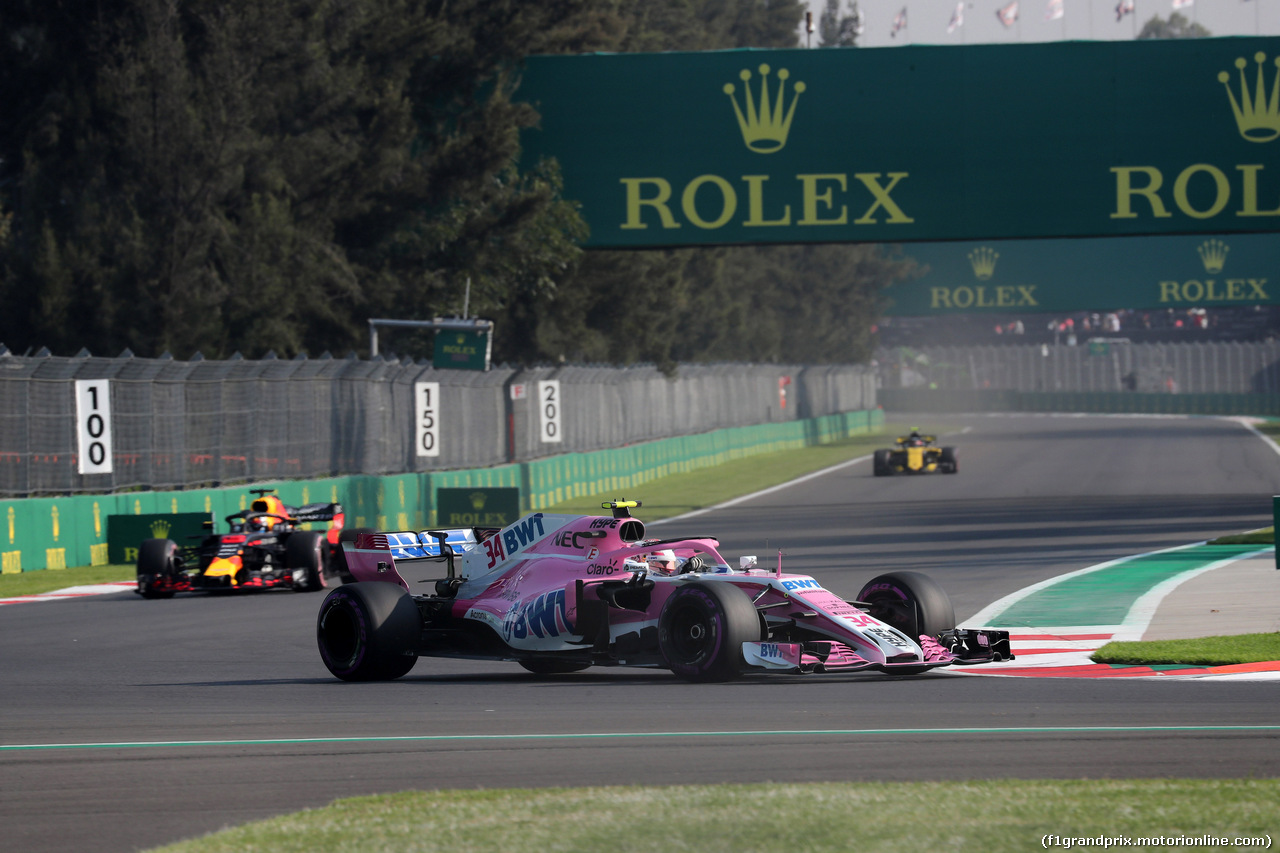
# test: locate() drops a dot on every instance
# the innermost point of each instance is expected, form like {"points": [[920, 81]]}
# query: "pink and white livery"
{"points": [[560, 593]]}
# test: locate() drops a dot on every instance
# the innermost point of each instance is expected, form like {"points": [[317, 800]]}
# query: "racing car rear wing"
{"points": [[407, 545], [408, 551], [317, 512]]}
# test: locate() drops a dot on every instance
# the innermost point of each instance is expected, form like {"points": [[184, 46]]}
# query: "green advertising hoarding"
{"points": [[126, 532], [1022, 276], [477, 507], [982, 142], [462, 349]]}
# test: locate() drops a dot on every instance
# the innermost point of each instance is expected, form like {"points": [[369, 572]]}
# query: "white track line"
{"points": [[804, 479], [993, 610], [761, 493], [1247, 423], [71, 592], [1144, 609]]}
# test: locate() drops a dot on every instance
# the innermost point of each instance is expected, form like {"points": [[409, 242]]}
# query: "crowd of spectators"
{"points": [[1252, 323]]}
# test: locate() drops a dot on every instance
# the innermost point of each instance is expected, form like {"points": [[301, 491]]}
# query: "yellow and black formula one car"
{"points": [[915, 454]]}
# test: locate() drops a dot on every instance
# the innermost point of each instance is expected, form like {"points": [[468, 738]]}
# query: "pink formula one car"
{"points": [[560, 593]]}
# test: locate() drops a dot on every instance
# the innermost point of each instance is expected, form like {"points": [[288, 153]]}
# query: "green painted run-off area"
{"points": [[1105, 596]]}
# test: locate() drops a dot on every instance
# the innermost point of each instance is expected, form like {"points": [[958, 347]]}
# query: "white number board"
{"points": [[426, 396], [549, 410], [93, 425]]}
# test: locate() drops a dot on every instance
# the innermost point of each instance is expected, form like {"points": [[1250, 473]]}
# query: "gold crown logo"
{"points": [[478, 499], [1214, 255], [160, 528], [1257, 117], [983, 260], [764, 128]]}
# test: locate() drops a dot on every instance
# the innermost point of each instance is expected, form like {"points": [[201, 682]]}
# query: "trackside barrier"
{"points": [[53, 533], [104, 425], [1102, 402], [1112, 364]]}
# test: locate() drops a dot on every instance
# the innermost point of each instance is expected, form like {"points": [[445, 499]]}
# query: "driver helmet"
{"points": [[663, 562], [267, 503]]}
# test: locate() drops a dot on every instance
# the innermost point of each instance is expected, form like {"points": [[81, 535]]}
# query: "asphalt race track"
{"points": [[1035, 497]]}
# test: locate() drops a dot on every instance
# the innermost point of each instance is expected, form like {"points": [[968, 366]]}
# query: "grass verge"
{"points": [[1271, 429], [1203, 651], [1007, 816], [47, 580], [1264, 536], [681, 493]]}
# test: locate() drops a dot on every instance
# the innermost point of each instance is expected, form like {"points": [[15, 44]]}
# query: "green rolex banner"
{"points": [[982, 142], [478, 507], [462, 349], [1026, 276], [126, 532]]}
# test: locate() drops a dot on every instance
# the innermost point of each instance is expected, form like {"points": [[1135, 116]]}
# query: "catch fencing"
{"points": [[180, 425], [1098, 366]]}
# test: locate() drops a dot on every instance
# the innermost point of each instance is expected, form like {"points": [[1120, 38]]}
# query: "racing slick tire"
{"points": [[368, 631], [551, 666], [338, 564], [308, 551], [949, 465], [701, 630], [157, 560], [912, 602], [880, 464]]}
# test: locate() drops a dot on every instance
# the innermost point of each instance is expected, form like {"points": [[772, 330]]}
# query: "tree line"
{"points": [[223, 176]]}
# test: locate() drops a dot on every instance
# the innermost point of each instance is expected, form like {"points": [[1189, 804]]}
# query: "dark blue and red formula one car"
{"points": [[265, 547]]}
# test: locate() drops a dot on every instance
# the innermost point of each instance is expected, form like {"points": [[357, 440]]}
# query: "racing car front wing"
{"points": [[958, 647]]}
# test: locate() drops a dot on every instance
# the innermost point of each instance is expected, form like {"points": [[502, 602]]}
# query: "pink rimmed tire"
{"points": [[912, 602], [368, 631], [701, 630]]}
